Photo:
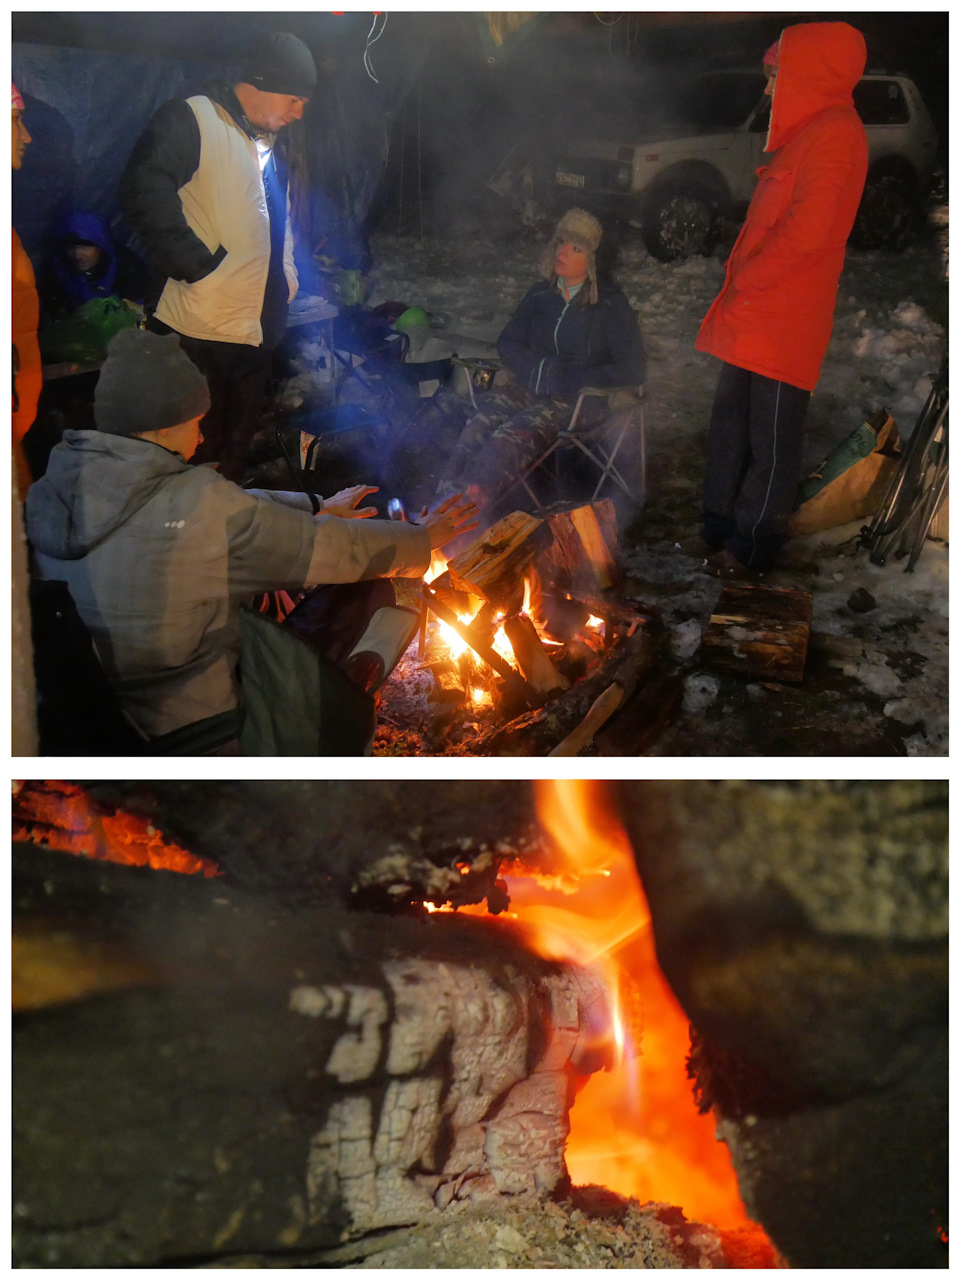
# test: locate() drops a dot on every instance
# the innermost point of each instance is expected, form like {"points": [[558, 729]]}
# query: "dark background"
{"points": [[415, 149]]}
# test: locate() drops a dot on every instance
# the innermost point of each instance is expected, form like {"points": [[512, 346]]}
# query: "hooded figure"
{"points": [[772, 320]]}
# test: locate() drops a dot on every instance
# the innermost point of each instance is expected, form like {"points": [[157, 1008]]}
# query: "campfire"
{"points": [[496, 1034], [523, 647]]}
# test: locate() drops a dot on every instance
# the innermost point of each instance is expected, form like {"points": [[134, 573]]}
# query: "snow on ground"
{"points": [[887, 665]]}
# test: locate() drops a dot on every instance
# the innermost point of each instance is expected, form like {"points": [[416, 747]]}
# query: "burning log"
{"points": [[532, 657], [761, 631], [253, 1083], [319, 843], [514, 682], [493, 566]]}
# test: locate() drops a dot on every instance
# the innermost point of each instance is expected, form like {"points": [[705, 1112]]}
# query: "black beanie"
{"points": [[147, 384], [281, 63]]}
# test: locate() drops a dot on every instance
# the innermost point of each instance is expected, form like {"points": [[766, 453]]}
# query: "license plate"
{"points": [[569, 179]]}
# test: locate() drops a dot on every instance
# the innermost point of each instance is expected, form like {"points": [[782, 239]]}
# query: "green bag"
{"points": [[82, 336], [296, 702]]}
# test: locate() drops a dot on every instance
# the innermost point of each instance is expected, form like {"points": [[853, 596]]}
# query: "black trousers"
{"points": [[238, 377], [754, 464]]}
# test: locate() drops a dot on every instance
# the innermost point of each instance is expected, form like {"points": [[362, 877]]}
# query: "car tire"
{"points": [[889, 211], [680, 221]]}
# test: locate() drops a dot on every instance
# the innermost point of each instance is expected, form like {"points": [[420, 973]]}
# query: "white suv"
{"points": [[679, 183]]}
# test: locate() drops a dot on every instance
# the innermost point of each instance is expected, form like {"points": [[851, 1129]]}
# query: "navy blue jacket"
{"points": [[554, 347]]}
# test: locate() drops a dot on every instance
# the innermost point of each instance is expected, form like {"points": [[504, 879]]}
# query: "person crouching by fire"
{"points": [[771, 322], [571, 330], [159, 555]]}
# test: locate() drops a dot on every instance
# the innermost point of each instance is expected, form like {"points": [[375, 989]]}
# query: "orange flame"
{"points": [[636, 1129], [62, 816]]}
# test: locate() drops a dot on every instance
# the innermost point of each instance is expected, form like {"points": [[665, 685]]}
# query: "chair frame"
{"points": [[587, 442]]}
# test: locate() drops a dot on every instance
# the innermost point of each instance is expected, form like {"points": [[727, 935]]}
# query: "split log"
{"points": [[760, 631], [492, 567], [584, 556], [532, 658], [537, 732], [254, 1079]]}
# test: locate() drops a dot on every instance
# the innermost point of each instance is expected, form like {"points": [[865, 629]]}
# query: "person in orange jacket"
{"points": [[772, 320], [28, 377]]}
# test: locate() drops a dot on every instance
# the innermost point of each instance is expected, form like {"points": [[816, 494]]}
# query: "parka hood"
{"points": [[820, 63], [86, 226], [93, 484]]}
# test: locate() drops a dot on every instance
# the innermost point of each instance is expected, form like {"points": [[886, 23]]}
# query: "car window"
{"points": [[721, 100], [881, 102]]}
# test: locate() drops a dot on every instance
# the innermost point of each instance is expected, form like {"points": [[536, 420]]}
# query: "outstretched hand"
{"points": [[344, 503], [448, 519]]}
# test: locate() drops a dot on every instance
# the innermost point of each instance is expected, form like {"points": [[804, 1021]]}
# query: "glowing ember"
{"points": [[594, 622], [481, 698], [61, 816], [636, 1129]]}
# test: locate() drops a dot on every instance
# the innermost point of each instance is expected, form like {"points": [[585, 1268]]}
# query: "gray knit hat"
{"points": [[583, 229], [147, 384], [281, 63]]}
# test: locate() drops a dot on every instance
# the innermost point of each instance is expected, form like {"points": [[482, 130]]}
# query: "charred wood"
{"points": [[254, 1081], [317, 842]]}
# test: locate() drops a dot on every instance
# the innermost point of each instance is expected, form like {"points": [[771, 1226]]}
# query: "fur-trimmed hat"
{"points": [[581, 228], [147, 383], [281, 63]]}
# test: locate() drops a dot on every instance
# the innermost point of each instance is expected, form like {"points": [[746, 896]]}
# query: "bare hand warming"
{"points": [[344, 503], [448, 519]]}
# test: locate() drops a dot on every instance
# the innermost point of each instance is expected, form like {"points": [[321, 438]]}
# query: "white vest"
{"points": [[224, 203]]}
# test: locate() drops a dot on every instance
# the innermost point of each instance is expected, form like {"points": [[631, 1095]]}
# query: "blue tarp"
{"points": [[85, 110]]}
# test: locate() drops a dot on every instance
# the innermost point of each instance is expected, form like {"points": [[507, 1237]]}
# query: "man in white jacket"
{"points": [[159, 555], [206, 191]]}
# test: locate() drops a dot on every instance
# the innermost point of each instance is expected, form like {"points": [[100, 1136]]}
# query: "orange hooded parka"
{"points": [[774, 313]]}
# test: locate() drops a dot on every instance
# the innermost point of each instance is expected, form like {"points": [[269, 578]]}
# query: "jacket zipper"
{"points": [[556, 344]]}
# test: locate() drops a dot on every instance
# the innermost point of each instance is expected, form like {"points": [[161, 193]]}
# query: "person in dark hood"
{"points": [[772, 320], [206, 190], [571, 330], [86, 264]]}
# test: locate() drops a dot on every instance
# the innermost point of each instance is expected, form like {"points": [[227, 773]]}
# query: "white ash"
{"points": [[455, 1046]]}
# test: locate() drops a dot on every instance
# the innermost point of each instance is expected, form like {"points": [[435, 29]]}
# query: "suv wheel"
{"points": [[680, 221], [888, 212]]}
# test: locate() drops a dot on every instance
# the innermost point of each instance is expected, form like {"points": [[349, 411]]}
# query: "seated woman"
{"points": [[570, 331]]}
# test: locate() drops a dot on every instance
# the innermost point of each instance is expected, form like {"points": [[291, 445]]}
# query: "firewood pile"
{"points": [[525, 647]]}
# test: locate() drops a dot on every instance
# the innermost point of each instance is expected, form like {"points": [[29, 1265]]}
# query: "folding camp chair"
{"points": [[600, 444]]}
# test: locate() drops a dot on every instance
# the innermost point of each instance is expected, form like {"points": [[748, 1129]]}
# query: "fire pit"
{"points": [[524, 648], [311, 1057]]}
